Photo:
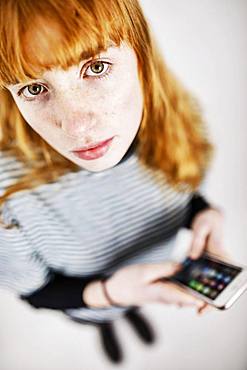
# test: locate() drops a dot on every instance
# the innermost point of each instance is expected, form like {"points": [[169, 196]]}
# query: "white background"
{"points": [[205, 44]]}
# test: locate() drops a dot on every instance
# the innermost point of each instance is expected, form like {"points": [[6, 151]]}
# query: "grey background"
{"points": [[205, 43]]}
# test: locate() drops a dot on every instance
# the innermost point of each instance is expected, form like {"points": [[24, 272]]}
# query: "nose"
{"points": [[78, 124]]}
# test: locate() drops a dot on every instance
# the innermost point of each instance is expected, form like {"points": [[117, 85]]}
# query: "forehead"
{"points": [[40, 42], [45, 47]]}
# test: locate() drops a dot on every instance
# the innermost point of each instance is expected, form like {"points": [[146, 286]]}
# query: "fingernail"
{"points": [[193, 256], [200, 304], [202, 311], [199, 310]]}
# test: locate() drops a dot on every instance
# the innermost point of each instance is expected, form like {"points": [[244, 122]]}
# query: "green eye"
{"points": [[34, 89], [97, 67]]}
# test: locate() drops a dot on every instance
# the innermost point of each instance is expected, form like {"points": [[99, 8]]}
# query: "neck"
{"points": [[130, 151]]}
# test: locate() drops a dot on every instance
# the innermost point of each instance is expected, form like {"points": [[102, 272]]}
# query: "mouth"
{"points": [[93, 151]]}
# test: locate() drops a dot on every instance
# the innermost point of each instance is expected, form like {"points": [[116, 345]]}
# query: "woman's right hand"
{"points": [[140, 284]]}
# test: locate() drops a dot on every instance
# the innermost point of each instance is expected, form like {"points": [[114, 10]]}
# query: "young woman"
{"points": [[103, 153]]}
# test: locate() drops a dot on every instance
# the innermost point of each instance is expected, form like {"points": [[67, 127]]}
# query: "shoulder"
{"points": [[11, 169]]}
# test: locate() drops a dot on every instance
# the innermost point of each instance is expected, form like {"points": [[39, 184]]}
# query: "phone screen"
{"points": [[206, 276]]}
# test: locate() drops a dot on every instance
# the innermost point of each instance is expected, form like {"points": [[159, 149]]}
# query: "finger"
{"points": [[199, 241], [169, 293], [206, 309], [152, 272], [216, 246], [216, 239]]}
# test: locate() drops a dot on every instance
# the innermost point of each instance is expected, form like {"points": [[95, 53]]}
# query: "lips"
{"points": [[93, 151], [91, 146]]}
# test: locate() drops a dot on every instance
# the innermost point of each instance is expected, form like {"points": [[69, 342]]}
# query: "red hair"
{"points": [[172, 135]]}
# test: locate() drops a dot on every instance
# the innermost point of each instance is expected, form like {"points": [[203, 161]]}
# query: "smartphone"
{"points": [[217, 282]]}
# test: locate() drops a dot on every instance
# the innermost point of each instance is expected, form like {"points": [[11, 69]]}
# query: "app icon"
{"points": [[199, 287], [212, 273], [206, 290], [205, 280], [219, 276], [205, 270], [213, 294], [193, 284], [220, 286], [212, 283], [195, 272], [227, 279]]}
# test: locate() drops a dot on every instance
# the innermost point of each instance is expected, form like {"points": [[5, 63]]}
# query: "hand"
{"points": [[207, 227], [145, 283]]}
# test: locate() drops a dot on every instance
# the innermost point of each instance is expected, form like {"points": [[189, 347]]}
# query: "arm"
{"points": [[64, 292], [24, 272]]}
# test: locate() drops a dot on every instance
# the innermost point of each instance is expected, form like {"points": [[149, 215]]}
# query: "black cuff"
{"points": [[61, 292], [197, 204]]}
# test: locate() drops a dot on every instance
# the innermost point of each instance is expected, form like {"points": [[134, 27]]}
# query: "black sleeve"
{"points": [[61, 292], [197, 204]]}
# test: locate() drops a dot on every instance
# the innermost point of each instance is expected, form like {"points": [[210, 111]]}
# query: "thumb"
{"points": [[160, 270]]}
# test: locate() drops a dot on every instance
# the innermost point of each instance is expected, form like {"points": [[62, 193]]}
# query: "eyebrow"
{"points": [[86, 54]]}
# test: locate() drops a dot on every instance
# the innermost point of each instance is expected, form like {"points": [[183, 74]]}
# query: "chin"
{"points": [[96, 166]]}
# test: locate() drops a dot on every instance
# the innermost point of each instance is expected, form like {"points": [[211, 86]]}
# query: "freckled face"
{"points": [[86, 104]]}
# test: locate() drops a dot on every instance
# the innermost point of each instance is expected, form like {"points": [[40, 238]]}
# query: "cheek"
{"points": [[126, 103], [133, 98], [31, 115], [131, 107], [35, 117], [40, 122]]}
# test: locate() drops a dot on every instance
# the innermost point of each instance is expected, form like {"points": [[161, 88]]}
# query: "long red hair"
{"points": [[172, 135]]}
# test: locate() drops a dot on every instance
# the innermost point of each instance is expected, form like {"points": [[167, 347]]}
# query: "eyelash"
{"points": [[102, 76]]}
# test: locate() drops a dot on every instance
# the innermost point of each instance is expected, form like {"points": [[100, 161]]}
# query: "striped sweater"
{"points": [[85, 226]]}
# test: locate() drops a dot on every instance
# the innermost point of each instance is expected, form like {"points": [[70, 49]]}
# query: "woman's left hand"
{"points": [[208, 234]]}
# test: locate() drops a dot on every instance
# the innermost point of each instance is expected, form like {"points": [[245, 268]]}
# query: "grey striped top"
{"points": [[87, 223]]}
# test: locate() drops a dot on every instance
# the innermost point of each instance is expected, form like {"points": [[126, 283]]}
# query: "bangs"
{"points": [[39, 35]]}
